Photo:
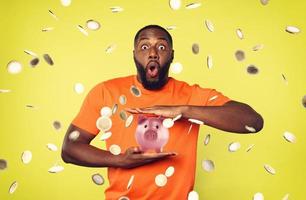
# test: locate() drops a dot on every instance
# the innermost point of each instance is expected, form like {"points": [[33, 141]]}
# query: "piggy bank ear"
{"points": [[161, 119], [141, 119]]}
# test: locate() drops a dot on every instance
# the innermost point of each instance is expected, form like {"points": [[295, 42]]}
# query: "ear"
{"points": [[141, 119]]}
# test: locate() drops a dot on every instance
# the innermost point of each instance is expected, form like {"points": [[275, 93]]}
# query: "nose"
{"points": [[153, 54]]}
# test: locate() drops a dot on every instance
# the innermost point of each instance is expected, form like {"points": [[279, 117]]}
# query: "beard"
{"points": [[157, 83]]}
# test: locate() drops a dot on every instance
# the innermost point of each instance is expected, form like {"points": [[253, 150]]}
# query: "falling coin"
{"points": [[97, 179], [171, 27], [135, 91], [209, 25], [193, 195], [129, 121], [286, 197], [14, 67], [48, 59], [175, 4], [66, 3], [168, 123], [79, 88], [82, 30], [110, 48], [195, 48], [209, 62], [3, 164], [264, 2], [258, 47], [56, 169], [124, 198], [269, 169], [207, 139], [53, 15], [46, 29], [104, 123], [161, 180], [52, 147], [290, 137], [304, 101], [115, 108], [123, 115], [176, 68], [292, 29], [122, 99], [31, 53], [240, 55], [74, 135], [208, 165], [105, 136], [177, 117], [106, 111], [116, 9], [115, 149], [250, 147], [189, 129], [130, 182], [213, 98], [258, 196], [34, 62], [93, 25], [251, 69], [57, 125], [193, 5], [4, 91], [26, 157], [169, 171], [13, 187], [239, 33], [285, 80], [196, 121], [234, 146]]}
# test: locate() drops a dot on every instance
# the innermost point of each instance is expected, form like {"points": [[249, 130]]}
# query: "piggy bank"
{"points": [[151, 134]]}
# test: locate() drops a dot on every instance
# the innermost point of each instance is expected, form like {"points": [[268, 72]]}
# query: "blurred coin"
{"points": [[66, 3], [97, 179], [110, 48], [285, 80], [195, 48], [189, 129], [135, 91], [74, 135], [209, 25], [258, 47], [31, 53], [115, 108], [176, 68], [3, 164], [57, 125], [171, 27], [52, 147], [234, 146], [13, 187], [124, 198], [123, 115], [193, 5], [26, 157], [168, 123], [79, 88], [213, 98], [264, 2], [177, 117], [106, 111], [46, 29], [286, 197], [304, 101], [239, 33], [53, 15], [34, 62], [208, 165], [209, 62], [161, 180], [56, 169], [207, 139], [239, 54], [252, 69], [4, 91], [169, 171], [93, 25], [250, 147], [193, 195], [129, 121], [115, 149], [82, 30], [249, 128], [175, 4], [269, 169], [116, 9], [290, 137], [14, 67], [104, 123], [105, 136], [48, 59], [122, 99], [292, 29], [130, 182], [196, 121], [258, 196]]}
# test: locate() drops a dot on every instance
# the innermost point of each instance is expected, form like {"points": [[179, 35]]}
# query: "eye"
{"points": [[161, 47], [146, 126], [144, 47], [157, 126]]}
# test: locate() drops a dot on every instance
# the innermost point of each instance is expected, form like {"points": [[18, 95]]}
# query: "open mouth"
{"points": [[152, 69]]}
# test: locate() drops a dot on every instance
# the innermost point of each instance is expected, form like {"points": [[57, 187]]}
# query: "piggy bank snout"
{"points": [[150, 135]]}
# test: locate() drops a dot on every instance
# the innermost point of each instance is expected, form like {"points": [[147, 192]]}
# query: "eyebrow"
{"points": [[146, 38]]}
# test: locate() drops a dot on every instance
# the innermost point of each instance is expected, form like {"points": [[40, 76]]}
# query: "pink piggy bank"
{"points": [[151, 134]]}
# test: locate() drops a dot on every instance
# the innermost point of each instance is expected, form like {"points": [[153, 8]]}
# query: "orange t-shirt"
{"points": [[173, 93]]}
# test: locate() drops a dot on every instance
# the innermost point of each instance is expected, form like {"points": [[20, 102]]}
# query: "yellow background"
{"points": [[238, 175]]}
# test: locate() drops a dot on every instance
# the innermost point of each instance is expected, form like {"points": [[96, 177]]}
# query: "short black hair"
{"points": [[153, 26]]}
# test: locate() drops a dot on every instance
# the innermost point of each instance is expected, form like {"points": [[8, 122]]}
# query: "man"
{"points": [[153, 54]]}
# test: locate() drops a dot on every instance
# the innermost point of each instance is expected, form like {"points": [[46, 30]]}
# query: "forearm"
{"points": [[232, 118]]}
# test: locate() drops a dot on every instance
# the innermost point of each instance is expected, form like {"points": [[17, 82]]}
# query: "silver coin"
{"points": [[57, 125], [171, 27], [135, 91], [3, 164], [168, 123], [175, 4], [209, 25], [116, 9], [193, 5], [213, 98], [114, 109], [207, 139], [34, 62], [74, 135], [239, 54], [285, 80], [177, 117], [123, 115], [249, 128], [129, 121], [104, 123], [66, 3], [239, 33], [122, 99], [290, 137], [292, 29], [304, 101], [130, 182], [26, 157], [286, 197], [195, 48], [252, 69], [105, 136], [209, 62], [264, 2], [196, 121], [250, 147], [234, 146], [53, 15], [115, 149], [47, 29], [82, 30], [208, 165], [56, 169], [106, 111], [176, 68], [79, 88], [13, 187], [48, 59], [124, 198], [258, 196], [14, 67], [97, 179], [258, 47], [52, 147], [31, 53], [269, 169], [110, 48], [93, 25], [160, 180], [169, 171], [193, 195], [4, 90]]}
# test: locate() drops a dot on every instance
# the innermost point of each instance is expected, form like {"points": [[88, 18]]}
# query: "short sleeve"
{"points": [[90, 110]]}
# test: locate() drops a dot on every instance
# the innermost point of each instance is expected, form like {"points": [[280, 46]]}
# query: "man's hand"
{"points": [[164, 111], [133, 157]]}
